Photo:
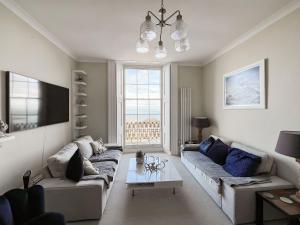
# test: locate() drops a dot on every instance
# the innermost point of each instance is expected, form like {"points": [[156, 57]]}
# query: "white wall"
{"points": [[280, 44], [25, 51], [97, 99], [191, 77]]}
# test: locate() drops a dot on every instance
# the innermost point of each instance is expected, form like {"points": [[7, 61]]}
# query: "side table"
{"points": [[291, 210]]}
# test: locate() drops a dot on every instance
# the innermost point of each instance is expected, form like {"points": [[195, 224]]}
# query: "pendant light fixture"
{"points": [[142, 46], [148, 33]]}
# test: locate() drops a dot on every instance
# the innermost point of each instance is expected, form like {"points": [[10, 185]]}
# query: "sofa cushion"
{"points": [[240, 163], [85, 138], [212, 170], [75, 169], [98, 146], [88, 168], [85, 148], [206, 144], [266, 159], [58, 162], [218, 152]]}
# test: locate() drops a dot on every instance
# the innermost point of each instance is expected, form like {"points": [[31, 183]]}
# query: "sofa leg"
{"points": [[132, 192], [174, 191]]}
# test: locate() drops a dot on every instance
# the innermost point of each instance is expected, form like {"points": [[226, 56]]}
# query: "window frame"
{"points": [[147, 147]]}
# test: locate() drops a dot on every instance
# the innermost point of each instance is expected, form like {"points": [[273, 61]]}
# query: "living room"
{"points": [[177, 112]]}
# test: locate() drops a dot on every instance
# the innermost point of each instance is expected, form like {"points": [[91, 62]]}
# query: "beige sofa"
{"points": [[237, 202], [83, 200]]}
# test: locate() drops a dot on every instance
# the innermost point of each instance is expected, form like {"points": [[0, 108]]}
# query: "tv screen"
{"points": [[31, 103]]}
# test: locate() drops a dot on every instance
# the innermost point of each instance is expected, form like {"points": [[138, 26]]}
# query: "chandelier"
{"points": [[148, 32]]}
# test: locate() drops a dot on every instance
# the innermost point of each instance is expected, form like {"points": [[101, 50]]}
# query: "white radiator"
{"points": [[185, 114]]}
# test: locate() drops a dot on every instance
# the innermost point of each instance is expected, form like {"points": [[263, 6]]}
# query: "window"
{"points": [[142, 106]]}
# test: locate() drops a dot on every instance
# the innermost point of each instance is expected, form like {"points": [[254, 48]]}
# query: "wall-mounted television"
{"points": [[31, 103]]}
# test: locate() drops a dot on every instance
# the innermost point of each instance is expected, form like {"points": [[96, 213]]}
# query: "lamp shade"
{"points": [[289, 143], [200, 122]]}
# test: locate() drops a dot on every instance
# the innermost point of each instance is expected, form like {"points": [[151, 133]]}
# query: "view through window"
{"points": [[142, 106]]}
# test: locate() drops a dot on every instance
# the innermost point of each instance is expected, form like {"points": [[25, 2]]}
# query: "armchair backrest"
{"points": [[25, 204], [6, 217]]}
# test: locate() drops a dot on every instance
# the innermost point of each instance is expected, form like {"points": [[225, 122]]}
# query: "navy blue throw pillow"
{"points": [[206, 144], [75, 167], [240, 163], [218, 152]]}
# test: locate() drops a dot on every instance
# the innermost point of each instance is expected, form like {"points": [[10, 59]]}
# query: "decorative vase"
{"points": [[139, 157]]}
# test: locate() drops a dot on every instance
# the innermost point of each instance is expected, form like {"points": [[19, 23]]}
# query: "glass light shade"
{"points": [[142, 46], [182, 45], [161, 51], [179, 29], [148, 29]]}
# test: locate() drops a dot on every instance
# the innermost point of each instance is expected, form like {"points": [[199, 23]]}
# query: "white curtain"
{"points": [[166, 92], [174, 109]]}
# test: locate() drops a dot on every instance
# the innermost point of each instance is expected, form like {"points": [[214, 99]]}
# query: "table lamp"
{"points": [[289, 144], [200, 123]]}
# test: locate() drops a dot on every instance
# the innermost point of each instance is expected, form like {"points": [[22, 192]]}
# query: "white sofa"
{"points": [[83, 200], [237, 202]]}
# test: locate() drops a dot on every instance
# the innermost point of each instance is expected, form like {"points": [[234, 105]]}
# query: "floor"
{"points": [[190, 206]]}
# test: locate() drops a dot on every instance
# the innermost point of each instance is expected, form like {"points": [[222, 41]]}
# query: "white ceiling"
{"points": [[108, 29]]}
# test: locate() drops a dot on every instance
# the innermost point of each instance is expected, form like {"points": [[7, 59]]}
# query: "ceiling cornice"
{"points": [[20, 12], [286, 10], [88, 60]]}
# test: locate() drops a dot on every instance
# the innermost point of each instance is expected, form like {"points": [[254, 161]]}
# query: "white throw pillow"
{"points": [[98, 146], [58, 162], [85, 148], [88, 167], [266, 159], [224, 140], [85, 138]]}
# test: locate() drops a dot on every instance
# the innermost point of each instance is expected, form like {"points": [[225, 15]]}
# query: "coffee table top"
{"points": [[137, 174]]}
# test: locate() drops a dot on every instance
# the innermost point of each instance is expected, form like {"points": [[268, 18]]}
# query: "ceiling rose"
{"points": [[148, 32]]}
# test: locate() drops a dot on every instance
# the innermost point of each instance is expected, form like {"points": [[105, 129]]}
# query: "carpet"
{"points": [[189, 206]]}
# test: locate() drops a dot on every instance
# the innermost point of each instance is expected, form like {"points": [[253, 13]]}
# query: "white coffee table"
{"points": [[139, 178]]}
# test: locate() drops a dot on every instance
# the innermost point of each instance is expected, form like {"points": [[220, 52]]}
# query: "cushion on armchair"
{"points": [[240, 163]]}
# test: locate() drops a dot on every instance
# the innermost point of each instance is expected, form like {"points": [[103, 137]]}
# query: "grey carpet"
{"points": [[190, 206]]}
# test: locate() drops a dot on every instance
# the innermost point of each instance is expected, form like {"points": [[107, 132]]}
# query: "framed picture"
{"points": [[245, 88]]}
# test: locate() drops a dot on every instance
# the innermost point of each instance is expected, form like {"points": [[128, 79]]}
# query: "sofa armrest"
{"points": [[239, 202], [113, 146], [76, 201], [189, 147]]}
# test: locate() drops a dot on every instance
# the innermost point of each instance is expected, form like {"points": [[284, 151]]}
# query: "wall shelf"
{"points": [[82, 105], [80, 83], [81, 94], [79, 107], [81, 116], [80, 127], [80, 72], [6, 138]]}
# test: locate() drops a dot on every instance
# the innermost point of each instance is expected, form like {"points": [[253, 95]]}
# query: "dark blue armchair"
{"points": [[26, 207]]}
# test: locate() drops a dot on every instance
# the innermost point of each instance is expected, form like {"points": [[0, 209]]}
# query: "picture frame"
{"points": [[245, 88]]}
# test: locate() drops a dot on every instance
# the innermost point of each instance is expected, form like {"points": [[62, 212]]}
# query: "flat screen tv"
{"points": [[31, 103]]}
